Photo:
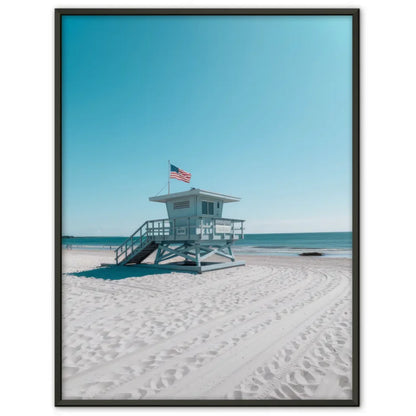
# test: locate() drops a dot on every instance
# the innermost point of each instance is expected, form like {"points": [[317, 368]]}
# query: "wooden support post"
{"points": [[231, 252], [197, 255], [159, 254]]}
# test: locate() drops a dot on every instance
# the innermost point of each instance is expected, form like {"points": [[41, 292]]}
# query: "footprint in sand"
{"points": [[289, 392], [310, 389], [93, 389], [191, 360], [308, 377], [269, 374], [344, 381], [178, 373], [155, 384], [297, 388], [141, 393], [254, 388], [278, 393], [167, 380], [295, 344]]}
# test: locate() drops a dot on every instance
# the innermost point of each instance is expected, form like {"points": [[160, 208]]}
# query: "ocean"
{"points": [[329, 244]]}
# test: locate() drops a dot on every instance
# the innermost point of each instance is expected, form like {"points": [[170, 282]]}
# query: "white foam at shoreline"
{"points": [[243, 249]]}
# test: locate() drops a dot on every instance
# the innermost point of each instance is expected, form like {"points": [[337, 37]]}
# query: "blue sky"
{"points": [[255, 107]]}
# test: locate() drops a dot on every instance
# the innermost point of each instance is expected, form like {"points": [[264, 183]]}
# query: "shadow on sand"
{"points": [[119, 272]]}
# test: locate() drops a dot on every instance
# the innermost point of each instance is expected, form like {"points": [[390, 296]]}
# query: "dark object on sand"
{"points": [[313, 253]]}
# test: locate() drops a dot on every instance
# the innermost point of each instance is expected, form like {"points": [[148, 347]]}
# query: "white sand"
{"points": [[278, 328]]}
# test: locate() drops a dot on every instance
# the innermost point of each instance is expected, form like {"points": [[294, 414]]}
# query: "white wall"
{"points": [[183, 212], [388, 279]]}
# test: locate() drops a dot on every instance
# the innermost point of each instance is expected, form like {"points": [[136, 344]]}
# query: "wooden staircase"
{"points": [[137, 247], [142, 254]]}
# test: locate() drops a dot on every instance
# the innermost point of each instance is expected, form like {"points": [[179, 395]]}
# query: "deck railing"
{"points": [[180, 229]]}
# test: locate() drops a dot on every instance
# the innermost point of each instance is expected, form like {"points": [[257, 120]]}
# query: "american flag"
{"points": [[180, 174]]}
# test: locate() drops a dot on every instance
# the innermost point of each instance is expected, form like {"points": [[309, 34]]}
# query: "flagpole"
{"points": [[169, 177]]}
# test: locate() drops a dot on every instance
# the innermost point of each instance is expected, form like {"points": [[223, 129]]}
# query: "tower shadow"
{"points": [[119, 272]]}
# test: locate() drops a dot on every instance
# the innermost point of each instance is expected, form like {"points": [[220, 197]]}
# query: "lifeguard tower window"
{"points": [[207, 208], [181, 204]]}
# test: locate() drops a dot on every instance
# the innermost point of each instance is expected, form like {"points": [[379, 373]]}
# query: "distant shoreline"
{"points": [[238, 251], [329, 244]]}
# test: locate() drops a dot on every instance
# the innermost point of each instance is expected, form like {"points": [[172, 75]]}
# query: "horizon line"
{"points": [[301, 232]]}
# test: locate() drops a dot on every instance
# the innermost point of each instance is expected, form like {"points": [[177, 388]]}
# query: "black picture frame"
{"points": [[355, 13]]}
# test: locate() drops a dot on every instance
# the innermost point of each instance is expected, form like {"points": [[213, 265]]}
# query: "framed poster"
{"points": [[207, 207]]}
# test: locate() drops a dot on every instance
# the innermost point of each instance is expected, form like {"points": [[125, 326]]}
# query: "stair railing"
{"points": [[132, 243]]}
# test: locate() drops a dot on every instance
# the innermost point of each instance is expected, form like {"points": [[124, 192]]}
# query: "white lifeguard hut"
{"points": [[194, 231]]}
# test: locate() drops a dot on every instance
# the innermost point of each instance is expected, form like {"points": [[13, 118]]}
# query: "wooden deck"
{"points": [[192, 231]]}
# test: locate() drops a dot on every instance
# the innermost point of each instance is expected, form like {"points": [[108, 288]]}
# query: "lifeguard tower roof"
{"points": [[194, 192]]}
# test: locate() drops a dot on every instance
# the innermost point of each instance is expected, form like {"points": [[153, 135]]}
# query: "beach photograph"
{"points": [[208, 227]]}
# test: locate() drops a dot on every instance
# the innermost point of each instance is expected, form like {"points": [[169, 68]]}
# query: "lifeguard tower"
{"points": [[194, 231]]}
